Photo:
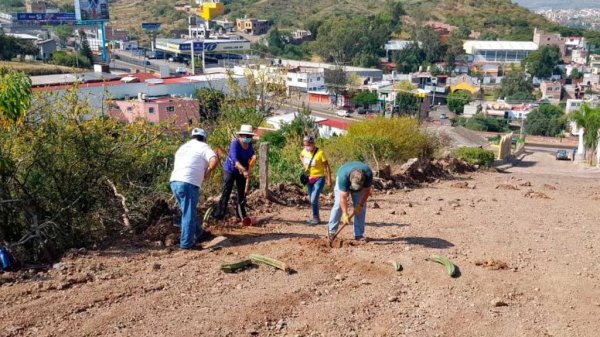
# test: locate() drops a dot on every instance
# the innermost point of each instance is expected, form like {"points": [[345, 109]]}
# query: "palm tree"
{"points": [[589, 120]]}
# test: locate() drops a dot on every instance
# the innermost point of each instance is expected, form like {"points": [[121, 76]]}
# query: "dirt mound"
{"points": [[550, 187], [492, 264], [506, 186], [416, 171], [536, 195]]}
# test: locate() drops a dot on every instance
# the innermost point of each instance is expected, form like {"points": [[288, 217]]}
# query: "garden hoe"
{"points": [[332, 238]]}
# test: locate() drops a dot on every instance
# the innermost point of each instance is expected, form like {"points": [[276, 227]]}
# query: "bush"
{"points": [[479, 122], [63, 58], [56, 170], [476, 156], [381, 139]]}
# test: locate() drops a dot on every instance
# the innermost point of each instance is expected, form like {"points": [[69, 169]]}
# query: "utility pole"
{"points": [[193, 58]]}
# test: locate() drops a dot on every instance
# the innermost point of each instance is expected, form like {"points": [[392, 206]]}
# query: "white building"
{"points": [[499, 51], [304, 79]]}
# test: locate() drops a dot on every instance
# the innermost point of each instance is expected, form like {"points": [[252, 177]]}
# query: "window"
{"points": [[318, 78], [151, 110], [170, 109]]}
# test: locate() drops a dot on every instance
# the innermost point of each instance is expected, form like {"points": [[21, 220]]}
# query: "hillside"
{"points": [[501, 18]]}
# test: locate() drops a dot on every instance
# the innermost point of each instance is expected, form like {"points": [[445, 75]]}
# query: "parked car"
{"points": [[181, 70], [342, 113], [562, 155]]}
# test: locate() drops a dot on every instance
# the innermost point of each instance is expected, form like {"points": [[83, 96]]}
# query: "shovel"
{"points": [[332, 238]]}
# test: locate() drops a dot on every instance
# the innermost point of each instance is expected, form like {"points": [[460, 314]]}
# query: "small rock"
{"points": [[393, 299], [58, 265], [402, 212], [339, 277], [364, 282], [393, 212], [238, 287], [280, 324], [155, 266], [496, 302], [376, 205], [410, 204]]}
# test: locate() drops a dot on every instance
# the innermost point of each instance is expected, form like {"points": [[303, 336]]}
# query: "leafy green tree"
{"points": [[336, 81], [576, 74], [410, 58], [341, 39], [543, 62], [365, 98], [479, 122], [210, 103], [546, 120], [515, 83], [457, 101], [86, 51], [11, 47], [432, 47], [63, 32], [407, 103], [588, 119]]}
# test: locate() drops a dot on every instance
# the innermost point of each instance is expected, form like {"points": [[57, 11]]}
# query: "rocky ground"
{"points": [[525, 241]]}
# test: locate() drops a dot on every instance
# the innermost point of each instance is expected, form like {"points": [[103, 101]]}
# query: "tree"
{"points": [[63, 32], [542, 63], [410, 58], [546, 120], [516, 82], [86, 51], [335, 81], [11, 47], [432, 47], [457, 101], [406, 101], [365, 98], [343, 40], [589, 120], [576, 74], [210, 103]]}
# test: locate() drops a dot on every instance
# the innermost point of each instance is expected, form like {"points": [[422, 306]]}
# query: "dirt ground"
{"points": [[528, 260]]}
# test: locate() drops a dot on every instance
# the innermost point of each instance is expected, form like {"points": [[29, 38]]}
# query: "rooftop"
{"points": [[499, 45]]}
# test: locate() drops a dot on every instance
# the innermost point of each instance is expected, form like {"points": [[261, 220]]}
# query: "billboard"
{"points": [[50, 18], [150, 26], [91, 10]]}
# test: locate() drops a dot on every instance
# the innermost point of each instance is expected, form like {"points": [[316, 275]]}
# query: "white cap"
{"points": [[199, 132]]}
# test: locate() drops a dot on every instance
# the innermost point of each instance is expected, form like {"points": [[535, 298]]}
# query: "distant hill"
{"points": [[501, 18], [558, 4]]}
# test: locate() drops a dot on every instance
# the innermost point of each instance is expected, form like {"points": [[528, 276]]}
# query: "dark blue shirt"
{"points": [[237, 153]]}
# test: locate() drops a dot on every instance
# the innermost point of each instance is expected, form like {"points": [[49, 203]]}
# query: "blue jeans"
{"points": [[187, 197], [314, 192], [336, 212]]}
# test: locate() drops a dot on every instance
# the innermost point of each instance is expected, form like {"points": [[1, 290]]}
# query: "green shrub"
{"points": [[381, 140], [476, 156], [56, 170]]}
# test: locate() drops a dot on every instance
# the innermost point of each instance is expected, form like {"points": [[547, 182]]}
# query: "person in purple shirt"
{"points": [[236, 170]]}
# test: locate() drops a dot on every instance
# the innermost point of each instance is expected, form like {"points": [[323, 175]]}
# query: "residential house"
{"points": [[253, 26], [499, 109], [542, 38], [304, 79], [182, 111], [595, 64], [551, 91], [301, 35]]}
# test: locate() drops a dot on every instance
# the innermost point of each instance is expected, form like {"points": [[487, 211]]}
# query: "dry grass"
{"points": [[36, 68]]}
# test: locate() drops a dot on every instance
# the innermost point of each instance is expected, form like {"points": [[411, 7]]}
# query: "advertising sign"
{"points": [[150, 26], [46, 17], [91, 10]]}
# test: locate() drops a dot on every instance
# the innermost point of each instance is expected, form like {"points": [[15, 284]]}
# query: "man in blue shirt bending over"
{"points": [[354, 180]]}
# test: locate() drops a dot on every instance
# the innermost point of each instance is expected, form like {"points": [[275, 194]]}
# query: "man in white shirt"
{"points": [[194, 161]]}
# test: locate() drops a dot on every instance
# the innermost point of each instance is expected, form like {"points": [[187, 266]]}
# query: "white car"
{"points": [[342, 113]]}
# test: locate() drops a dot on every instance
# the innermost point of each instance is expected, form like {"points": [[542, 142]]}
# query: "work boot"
{"points": [[314, 221], [361, 239]]}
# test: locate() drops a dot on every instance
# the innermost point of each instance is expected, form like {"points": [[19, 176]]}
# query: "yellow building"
{"points": [[210, 10]]}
